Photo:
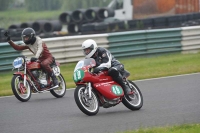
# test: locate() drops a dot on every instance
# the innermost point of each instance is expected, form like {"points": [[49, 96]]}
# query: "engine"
{"points": [[35, 73], [109, 103], [40, 76]]}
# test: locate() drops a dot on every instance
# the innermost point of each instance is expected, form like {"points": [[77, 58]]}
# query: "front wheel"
{"points": [[89, 106], [61, 90], [21, 92], [135, 101]]}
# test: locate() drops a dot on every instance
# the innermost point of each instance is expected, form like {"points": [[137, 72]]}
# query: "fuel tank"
{"points": [[33, 65]]}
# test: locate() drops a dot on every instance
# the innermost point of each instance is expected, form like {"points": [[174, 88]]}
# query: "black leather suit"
{"points": [[105, 60]]}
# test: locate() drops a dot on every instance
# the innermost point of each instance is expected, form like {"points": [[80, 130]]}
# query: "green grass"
{"points": [[140, 68], [186, 128], [18, 16]]}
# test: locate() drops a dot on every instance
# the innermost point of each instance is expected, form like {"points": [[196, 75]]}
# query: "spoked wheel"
{"points": [[135, 100], [21, 92], [89, 106], [61, 90]]}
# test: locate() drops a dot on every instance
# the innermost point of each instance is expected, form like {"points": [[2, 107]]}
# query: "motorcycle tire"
{"points": [[135, 101], [88, 106], [21, 92], [61, 90]]}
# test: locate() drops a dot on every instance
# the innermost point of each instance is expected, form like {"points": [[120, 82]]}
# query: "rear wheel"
{"points": [[89, 106], [21, 92], [61, 90], [135, 100]]}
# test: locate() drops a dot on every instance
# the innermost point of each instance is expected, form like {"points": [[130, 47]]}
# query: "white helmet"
{"points": [[89, 47]]}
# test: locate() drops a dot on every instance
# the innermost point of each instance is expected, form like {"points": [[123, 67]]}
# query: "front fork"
{"points": [[25, 75], [89, 90], [127, 83]]}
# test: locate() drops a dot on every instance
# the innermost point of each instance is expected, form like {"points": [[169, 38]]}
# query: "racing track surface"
{"points": [[167, 101]]}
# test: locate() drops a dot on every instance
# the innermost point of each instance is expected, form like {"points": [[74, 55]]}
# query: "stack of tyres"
{"points": [[38, 26], [101, 27], [91, 14], [26, 25], [51, 26], [104, 13], [133, 24], [174, 21], [78, 16], [88, 28], [146, 23], [160, 22], [74, 28], [14, 26], [121, 25], [65, 17]]}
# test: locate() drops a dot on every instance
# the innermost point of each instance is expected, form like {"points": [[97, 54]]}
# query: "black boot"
{"points": [[54, 79], [125, 87], [117, 77]]}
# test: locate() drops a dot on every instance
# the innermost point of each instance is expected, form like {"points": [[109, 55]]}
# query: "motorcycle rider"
{"points": [[38, 48], [105, 61]]}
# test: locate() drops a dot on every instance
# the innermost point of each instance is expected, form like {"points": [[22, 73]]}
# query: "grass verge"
{"points": [[140, 68], [186, 128]]}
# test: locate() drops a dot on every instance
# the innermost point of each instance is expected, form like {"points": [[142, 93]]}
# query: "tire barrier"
{"points": [[26, 25], [147, 23], [196, 16], [78, 16], [87, 28], [74, 28], [160, 22], [133, 24], [113, 26], [91, 14], [51, 26], [38, 26], [121, 25], [174, 21], [14, 26], [101, 21], [101, 27], [105, 12], [65, 17]]}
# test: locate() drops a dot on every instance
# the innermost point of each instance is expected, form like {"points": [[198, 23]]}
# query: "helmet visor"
{"points": [[88, 50], [26, 38]]}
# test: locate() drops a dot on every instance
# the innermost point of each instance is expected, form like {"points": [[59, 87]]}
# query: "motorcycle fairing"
{"points": [[110, 89]]}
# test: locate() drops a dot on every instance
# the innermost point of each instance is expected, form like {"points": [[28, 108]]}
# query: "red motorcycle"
{"points": [[30, 77], [95, 90]]}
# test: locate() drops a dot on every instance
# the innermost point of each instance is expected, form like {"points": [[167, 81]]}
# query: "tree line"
{"points": [[45, 5]]}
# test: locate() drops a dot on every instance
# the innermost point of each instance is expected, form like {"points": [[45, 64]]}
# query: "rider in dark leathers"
{"points": [[105, 61]]}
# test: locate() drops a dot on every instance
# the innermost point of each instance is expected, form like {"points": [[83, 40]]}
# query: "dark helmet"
{"points": [[28, 36]]}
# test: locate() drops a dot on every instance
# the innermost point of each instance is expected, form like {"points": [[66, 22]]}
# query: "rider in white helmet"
{"points": [[105, 61]]}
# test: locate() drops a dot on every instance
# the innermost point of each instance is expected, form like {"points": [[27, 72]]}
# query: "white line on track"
{"points": [[134, 81]]}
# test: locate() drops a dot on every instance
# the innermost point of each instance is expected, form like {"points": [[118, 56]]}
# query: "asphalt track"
{"points": [[167, 101]]}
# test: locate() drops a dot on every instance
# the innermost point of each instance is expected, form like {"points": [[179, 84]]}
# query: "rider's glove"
{"points": [[6, 34], [33, 59], [96, 70]]}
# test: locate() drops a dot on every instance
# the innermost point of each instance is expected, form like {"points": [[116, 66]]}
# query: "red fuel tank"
{"points": [[33, 65]]}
